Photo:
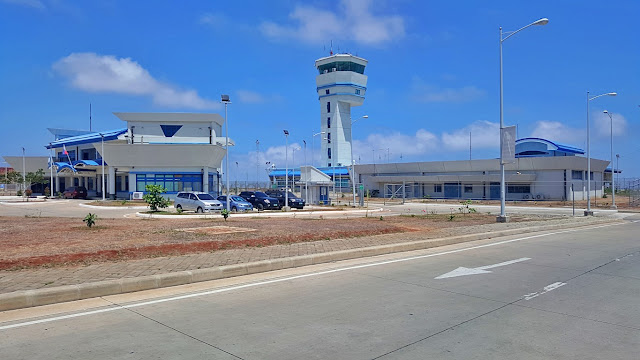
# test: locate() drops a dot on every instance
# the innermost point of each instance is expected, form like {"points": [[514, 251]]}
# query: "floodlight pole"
{"points": [[102, 156], [503, 216], [353, 165], [286, 170], [226, 101], [24, 176], [613, 169]]}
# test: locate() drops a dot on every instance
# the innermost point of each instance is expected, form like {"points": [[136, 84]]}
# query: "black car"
{"points": [[294, 201], [260, 200]]}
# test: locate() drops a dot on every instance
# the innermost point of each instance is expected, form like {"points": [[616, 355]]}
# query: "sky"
{"points": [[433, 73]]}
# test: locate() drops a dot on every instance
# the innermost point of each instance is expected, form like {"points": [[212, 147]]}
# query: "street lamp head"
{"points": [[543, 21], [365, 117], [286, 132], [612, 94], [606, 112], [225, 98]]}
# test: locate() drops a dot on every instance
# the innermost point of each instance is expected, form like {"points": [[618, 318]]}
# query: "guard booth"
{"points": [[314, 185]]}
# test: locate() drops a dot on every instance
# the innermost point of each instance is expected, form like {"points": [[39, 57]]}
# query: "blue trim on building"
{"points": [[339, 170], [560, 147], [165, 172], [87, 139], [323, 96], [341, 84]]}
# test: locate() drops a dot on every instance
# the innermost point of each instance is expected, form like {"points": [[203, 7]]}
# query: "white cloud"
{"points": [[352, 20], [429, 93], [251, 97], [484, 134], [559, 132], [107, 74], [602, 124], [35, 4], [211, 19]]}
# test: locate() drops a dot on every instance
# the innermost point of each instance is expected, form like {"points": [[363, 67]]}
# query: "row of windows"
{"points": [[327, 92], [512, 189], [172, 182], [580, 175], [341, 66], [86, 154]]}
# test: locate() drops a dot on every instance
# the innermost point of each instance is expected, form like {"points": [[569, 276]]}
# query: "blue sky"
{"points": [[433, 72]]}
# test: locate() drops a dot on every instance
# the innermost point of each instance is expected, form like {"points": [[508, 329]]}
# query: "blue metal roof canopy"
{"points": [[339, 170], [558, 147], [87, 138]]}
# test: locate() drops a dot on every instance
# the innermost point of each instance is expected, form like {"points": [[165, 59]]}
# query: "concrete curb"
{"points": [[113, 207], [30, 298], [261, 214]]}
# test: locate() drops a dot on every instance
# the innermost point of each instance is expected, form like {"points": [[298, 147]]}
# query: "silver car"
{"points": [[197, 201]]}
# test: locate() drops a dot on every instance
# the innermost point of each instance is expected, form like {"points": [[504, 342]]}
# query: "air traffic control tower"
{"points": [[340, 85]]}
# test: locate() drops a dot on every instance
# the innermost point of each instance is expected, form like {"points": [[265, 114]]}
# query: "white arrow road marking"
{"points": [[462, 271], [546, 289]]}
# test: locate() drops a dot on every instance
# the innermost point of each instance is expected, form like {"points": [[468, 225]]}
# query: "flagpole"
{"points": [[51, 168]]}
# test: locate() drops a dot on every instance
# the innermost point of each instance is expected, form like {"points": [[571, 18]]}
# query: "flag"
{"points": [[64, 150], [50, 162]]}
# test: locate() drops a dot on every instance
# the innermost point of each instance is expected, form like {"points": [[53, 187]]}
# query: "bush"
{"points": [[28, 192], [19, 193], [154, 199], [47, 192], [90, 219], [225, 214]]}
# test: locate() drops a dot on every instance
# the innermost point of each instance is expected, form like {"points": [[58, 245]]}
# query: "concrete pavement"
{"points": [[574, 297]]}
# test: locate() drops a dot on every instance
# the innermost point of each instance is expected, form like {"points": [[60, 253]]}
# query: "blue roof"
{"points": [[87, 138], [342, 170], [73, 166], [560, 147]]}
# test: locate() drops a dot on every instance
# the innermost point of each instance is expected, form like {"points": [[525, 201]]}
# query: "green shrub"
{"points": [[154, 199], [90, 219], [225, 214]]}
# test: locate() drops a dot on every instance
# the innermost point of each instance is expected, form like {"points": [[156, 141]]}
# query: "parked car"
{"points": [[260, 200], [75, 192], [294, 201], [236, 203], [197, 201]]}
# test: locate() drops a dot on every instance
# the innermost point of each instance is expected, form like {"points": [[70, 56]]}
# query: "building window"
{"points": [[329, 165], [328, 138], [328, 106], [519, 189], [172, 182], [437, 188], [329, 153], [468, 188], [576, 174], [328, 123], [326, 91], [357, 91]]}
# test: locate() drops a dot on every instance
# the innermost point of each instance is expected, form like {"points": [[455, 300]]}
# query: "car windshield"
{"points": [[292, 196], [238, 198], [205, 197], [261, 194]]}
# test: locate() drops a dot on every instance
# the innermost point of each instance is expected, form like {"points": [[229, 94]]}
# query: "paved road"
{"points": [[572, 294]]}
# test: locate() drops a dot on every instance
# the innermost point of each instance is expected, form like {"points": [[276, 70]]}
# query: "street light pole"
{"points": [[353, 165], [588, 212], [613, 169], [102, 157], [286, 170], [226, 101], [24, 176], [312, 145], [503, 216]]}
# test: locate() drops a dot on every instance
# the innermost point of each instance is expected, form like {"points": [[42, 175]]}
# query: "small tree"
{"points": [[90, 219], [154, 199], [225, 214]]}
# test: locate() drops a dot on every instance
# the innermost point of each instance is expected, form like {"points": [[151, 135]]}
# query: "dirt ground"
{"points": [[32, 242]]}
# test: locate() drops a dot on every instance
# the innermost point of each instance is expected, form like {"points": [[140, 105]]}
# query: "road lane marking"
{"points": [[462, 271], [546, 289], [274, 281]]}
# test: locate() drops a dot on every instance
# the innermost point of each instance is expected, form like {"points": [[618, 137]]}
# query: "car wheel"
{"points": [[260, 207], [234, 209], [199, 210], [178, 207]]}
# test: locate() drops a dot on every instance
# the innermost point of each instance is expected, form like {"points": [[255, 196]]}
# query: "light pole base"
{"points": [[286, 208], [614, 207], [588, 213], [502, 219]]}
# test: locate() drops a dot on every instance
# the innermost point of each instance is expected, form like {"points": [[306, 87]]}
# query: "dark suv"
{"points": [[294, 201], [75, 192], [260, 200]]}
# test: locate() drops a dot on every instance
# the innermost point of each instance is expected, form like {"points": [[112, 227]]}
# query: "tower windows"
{"points": [[328, 106], [328, 138], [328, 123], [326, 91], [357, 91], [328, 153]]}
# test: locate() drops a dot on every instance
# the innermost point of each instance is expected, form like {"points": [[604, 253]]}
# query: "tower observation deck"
{"points": [[341, 84]]}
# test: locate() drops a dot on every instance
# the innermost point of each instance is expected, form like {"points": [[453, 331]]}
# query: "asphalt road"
{"points": [[571, 294]]}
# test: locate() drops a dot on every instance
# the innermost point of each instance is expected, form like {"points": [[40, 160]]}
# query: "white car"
{"points": [[197, 201]]}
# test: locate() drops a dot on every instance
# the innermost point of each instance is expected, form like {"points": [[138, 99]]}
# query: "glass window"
{"points": [[328, 123], [437, 188], [357, 91], [328, 106], [329, 153], [326, 91], [576, 174], [519, 189], [328, 138], [468, 188]]}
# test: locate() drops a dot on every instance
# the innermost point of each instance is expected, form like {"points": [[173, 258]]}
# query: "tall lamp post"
{"points": [[102, 161], [613, 169], [226, 101], [503, 215], [286, 170], [312, 146], [353, 165], [24, 176], [588, 212]]}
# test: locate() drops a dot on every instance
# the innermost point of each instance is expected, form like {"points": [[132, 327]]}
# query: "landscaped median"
{"points": [[403, 233]]}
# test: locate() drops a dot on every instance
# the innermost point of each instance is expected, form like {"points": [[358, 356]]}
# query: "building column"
{"points": [[133, 186], [112, 182], [57, 188], [205, 179]]}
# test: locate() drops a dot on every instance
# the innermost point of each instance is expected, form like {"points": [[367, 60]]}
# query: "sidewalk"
{"points": [[33, 287]]}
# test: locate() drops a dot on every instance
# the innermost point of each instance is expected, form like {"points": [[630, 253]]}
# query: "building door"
{"points": [[452, 190], [494, 191], [324, 195]]}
